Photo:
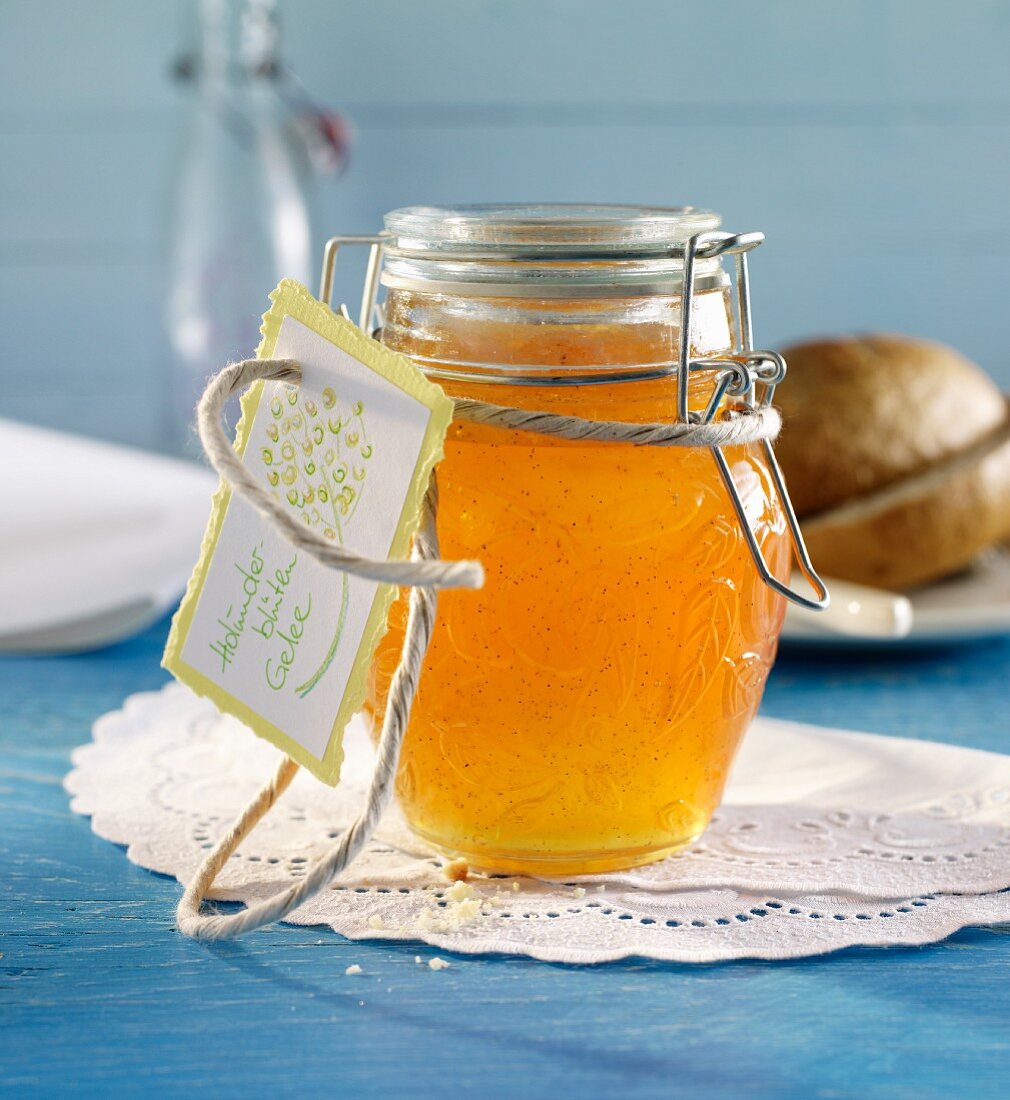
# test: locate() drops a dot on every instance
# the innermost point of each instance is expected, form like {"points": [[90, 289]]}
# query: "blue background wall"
{"points": [[870, 139]]}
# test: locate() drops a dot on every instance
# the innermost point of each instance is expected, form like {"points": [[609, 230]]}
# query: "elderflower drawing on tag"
{"points": [[317, 461]]}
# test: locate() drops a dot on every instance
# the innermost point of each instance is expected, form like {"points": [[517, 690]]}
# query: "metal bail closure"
{"points": [[823, 597], [370, 287], [766, 368]]}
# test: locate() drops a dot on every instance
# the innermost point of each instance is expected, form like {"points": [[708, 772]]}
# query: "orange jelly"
{"points": [[582, 710]]}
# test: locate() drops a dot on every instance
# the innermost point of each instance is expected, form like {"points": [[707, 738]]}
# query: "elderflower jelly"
{"points": [[582, 710]]}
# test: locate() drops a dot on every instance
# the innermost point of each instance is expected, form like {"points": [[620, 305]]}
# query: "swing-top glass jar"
{"points": [[582, 710]]}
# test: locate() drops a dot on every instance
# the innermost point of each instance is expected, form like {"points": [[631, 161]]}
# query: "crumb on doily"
{"points": [[460, 891], [462, 905], [375, 921], [353, 969], [579, 891], [456, 870], [437, 964]]}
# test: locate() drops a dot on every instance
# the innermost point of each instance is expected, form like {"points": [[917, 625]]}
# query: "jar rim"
{"points": [[546, 250], [562, 231]]}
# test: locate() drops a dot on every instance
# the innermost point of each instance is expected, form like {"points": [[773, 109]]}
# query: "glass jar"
{"points": [[581, 711]]}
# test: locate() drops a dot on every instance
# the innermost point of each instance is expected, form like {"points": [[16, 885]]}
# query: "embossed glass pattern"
{"points": [[582, 710]]}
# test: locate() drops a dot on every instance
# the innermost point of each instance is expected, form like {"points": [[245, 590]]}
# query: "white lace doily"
{"points": [[825, 840]]}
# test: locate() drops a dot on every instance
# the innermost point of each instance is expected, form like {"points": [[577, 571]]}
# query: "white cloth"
{"points": [[826, 839], [98, 540]]}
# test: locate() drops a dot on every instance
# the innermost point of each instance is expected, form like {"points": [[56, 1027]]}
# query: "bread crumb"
{"points": [[456, 870], [460, 891], [429, 921], [579, 891], [354, 969], [488, 905], [465, 911], [515, 886], [451, 918], [417, 959], [437, 964], [375, 921], [464, 905]]}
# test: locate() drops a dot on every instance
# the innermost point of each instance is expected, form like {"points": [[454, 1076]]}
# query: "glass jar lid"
{"points": [[545, 249]]}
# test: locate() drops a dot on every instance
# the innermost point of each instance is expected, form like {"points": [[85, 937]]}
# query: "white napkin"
{"points": [[96, 540]]}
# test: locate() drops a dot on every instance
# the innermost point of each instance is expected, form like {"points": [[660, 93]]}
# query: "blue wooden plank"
{"points": [[908, 53], [922, 190], [62, 56], [650, 51], [99, 995], [87, 367], [84, 195], [926, 191]]}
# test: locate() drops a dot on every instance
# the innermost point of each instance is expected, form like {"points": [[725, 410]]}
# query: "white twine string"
{"points": [[217, 926], [749, 427], [233, 471], [424, 573]]}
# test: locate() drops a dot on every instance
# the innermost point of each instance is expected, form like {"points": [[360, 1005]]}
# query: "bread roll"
{"points": [[897, 456], [860, 413], [920, 529]]}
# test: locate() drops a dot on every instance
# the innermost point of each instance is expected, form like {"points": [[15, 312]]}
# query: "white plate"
{"points": [[969, 607], [97, 541]]}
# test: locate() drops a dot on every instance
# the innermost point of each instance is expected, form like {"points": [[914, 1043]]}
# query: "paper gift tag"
{"points": [[272, 636]]}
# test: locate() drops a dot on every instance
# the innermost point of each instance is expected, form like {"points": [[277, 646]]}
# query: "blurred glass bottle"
{"points": [[240, 220]]}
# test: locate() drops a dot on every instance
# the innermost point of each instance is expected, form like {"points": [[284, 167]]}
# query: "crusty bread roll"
{"points": [[897, 456]]}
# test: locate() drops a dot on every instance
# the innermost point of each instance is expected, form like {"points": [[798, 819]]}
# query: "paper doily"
{"points": [[825, 840]]}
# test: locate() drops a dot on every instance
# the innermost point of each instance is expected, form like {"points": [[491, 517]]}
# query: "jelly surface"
{"points": [[581, 711]]}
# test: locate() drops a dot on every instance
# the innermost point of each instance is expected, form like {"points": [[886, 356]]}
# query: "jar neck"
{"points": [[509, 339], [545, 277]]}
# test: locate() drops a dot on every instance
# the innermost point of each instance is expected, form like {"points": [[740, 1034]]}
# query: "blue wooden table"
{"points": [[99, 994]]}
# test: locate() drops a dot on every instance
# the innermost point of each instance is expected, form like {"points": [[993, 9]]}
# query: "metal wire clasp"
{"points": [[370, 288], [762, 368], [739, 376]]}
